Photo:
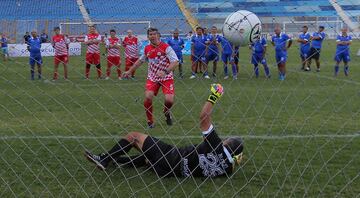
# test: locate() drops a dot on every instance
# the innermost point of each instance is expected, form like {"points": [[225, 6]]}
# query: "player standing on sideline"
{"points": [[4, 46], [343, 42], [227, 56], [258, 56], [213, 157], [316, 43], [177, 44], [162, 62], [132, 48], [92, 40], [304, 40], [279, 40], [34, 46], [212, 52], [61, 47], [198, 50], [113, 44]]}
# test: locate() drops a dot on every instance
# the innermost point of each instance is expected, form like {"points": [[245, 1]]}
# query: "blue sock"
{"points": [[193, 73], [234, 70], [32, 71], [206, 73], [337, 69], [346, 70], [267, 70], [256, 70], [226, 70]]}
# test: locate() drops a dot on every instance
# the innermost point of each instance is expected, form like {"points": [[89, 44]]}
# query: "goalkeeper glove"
{"points": [[216, 92]]}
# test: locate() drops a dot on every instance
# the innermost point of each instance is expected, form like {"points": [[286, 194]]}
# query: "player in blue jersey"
{"points": [[212, 52], [316, 44], [343, 42], [227, 56], [34, 46], [198, 52], [304, 40], [4, 46], [282, 42], [177, 44], [258, 56]]}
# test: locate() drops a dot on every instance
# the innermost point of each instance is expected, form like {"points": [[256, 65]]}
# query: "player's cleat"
{"points": [[207, 77], [192, 77], [151, 125], [214, 75], [96, 159], [107, 78], [307, 69], [119, 78], [346, 70], [235, 77], [318, 70], [216, 92], [226, 77], [281, 77], [168, 119]]}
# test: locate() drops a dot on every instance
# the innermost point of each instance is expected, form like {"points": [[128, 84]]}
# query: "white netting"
{"points": [[301, 135]]}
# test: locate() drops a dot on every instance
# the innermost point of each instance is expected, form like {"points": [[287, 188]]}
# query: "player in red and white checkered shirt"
{"points": [[162, 61], [132, 47], [113, 44], [92, 40], [61, 47]]}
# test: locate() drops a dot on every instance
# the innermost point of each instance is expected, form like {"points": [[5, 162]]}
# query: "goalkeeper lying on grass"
{"points": [[212, 157]]}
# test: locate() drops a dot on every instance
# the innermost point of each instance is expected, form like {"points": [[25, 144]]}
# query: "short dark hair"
{"points": [[198, 27], [305, 26], [112, 30], [56, 28], [322, 27], [235, 145], [152, 30]]}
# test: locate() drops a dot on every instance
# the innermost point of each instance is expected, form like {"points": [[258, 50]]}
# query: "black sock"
{"points": [[120, 148], [132, 161]]}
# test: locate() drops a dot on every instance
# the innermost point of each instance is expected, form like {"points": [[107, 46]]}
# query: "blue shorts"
{"points": [[4, 50], [199, 57], [280, 57], [212, 56], [342, 56], [180, 57], [227, 58], [36, 58], [304, 52], [257, 58]]}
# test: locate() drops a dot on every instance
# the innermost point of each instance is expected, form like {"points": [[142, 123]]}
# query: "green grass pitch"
{"points": [[301, 135]]}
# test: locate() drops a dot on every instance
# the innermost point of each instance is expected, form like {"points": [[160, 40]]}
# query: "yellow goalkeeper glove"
{"points": [[216, 92]]}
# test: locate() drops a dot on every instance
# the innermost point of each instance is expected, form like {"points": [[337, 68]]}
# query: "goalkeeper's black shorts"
{"points": [[163, 158]]}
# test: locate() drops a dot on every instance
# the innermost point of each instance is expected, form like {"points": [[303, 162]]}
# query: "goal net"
{"points": [[301, 135]]}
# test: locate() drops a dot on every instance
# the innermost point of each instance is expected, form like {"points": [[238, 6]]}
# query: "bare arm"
{"points": [[205, 116], [289, 43], [135, 66]]}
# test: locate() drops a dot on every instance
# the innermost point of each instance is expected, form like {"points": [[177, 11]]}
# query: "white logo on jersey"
{"points": [[212, 165]]}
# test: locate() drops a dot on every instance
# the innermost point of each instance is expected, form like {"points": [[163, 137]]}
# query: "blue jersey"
{"points": [[199, 44], [4, 42], [258, 47], [34, 45], [227, 47], [306, 37], [280, 42], [177, 44], [343, 48], [318, 43], [213, 40]]}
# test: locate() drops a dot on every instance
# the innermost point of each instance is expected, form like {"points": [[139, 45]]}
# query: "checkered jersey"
{"points": [[132, 47], [111, 50], [93, 48], [159, 59], [60, 45]]}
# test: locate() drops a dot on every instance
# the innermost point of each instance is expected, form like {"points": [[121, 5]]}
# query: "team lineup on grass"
{"points": [[213, 157]]}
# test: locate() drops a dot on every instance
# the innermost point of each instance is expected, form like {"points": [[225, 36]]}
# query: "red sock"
{"points": [[87, 71], [107, 71], [167, 107], [98, 69], [148, 109], [55, 76], [118, 71]]}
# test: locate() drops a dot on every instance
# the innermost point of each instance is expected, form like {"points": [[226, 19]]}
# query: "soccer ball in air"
{"points": [[242, 28]]}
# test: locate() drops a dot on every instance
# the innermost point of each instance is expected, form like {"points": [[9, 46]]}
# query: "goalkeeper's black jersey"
{"points": [[208, 159]]}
